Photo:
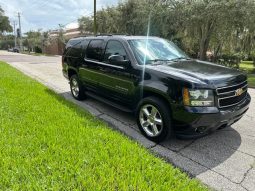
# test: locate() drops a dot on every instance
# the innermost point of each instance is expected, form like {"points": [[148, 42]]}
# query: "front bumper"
{"points": [[193, 122]]}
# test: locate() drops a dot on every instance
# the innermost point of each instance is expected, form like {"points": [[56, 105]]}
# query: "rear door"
{"points": [[89, 71]]}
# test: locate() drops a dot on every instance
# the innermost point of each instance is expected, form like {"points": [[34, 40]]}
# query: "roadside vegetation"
{"points": [[249, 67], [205, 29], [251, 80], [49, 143]]}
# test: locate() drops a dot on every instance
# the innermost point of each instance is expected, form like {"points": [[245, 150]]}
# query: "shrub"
{"points": [[230, 60], [38, 49]]}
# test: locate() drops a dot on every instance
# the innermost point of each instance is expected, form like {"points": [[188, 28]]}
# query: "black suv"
{"points": [[168, 91]]}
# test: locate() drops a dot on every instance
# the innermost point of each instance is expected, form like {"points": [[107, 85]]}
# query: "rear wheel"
{"points": [[154, 119], [77, 88]]}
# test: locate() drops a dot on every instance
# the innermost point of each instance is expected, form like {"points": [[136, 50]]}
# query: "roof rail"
{"points": [[101, 34], [80, 36], [104, 34], [121, 34], [113, 34]]}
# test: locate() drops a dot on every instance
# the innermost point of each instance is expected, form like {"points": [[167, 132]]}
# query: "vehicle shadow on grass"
{"points": [[199, 154]]}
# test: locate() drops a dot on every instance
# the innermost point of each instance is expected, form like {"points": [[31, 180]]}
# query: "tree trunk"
{"points": [[205, 36], [204, 44], [216, 52]]}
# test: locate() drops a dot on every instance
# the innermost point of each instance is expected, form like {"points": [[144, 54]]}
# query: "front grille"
{"points": [[231, 95]]}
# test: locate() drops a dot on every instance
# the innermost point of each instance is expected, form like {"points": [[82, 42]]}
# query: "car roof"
{"points": [[124, 37]]}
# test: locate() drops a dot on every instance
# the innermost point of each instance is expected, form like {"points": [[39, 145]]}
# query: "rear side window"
{"points": [[95, 50], [72, 47], [84, 44], [72, 42]]}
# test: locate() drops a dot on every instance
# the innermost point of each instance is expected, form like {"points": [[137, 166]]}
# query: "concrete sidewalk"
{"points": [[224, 160]]}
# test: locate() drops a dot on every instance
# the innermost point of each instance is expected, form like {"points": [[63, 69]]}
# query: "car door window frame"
{"points": [[100, 62], [103, 58], [103, 48]]}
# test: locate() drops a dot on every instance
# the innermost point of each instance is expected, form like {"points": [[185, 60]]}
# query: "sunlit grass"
{"points": [[248, 66], [251, 80], [47, 143]]}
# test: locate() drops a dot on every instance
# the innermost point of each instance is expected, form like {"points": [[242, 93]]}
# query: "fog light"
{"points": [[201, 103], [200, 129]]}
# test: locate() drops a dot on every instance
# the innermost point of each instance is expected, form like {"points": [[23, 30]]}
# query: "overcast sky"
{"points": [[48, 14]]}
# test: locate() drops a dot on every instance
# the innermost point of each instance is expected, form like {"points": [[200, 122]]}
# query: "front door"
{"points": [[117, 80]]}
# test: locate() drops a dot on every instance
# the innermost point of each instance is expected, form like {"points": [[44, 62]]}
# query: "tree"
{"points": [[195, 25], [33, 40], [6, 42], [86, 24], [4, 23]]}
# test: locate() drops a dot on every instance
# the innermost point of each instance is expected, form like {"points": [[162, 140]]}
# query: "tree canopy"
{"points": [[4, 23], [195, 25]]}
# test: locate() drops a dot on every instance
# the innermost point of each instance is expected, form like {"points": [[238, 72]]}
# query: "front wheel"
{"points": [[154, 119], [76, 87]]}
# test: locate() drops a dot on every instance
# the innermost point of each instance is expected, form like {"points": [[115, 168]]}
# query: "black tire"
{"points": [[80, 93], [163, 113]]}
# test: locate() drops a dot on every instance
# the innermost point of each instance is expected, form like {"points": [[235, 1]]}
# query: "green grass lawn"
{"points": [[246, 62], [251, 80], [250, 69], [49, 143]]}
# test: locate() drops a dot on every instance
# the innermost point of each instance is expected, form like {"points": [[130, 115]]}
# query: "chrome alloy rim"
{"points": [[75, 87], [151, 120]]}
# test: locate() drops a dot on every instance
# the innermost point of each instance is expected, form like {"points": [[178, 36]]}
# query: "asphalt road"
{"points": [[224, 160]]}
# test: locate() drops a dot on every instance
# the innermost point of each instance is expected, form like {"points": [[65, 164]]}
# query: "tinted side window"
{"points": [[84, 44], [72, 47], [76, 50], [95, 50], [114, 48]]}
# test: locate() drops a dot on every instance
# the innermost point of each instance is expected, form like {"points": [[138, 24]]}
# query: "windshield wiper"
{"points": [[158, 61], [180, 58]]}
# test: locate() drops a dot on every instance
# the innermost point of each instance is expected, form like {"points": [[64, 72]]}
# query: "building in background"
{"points": [[58, 38]]}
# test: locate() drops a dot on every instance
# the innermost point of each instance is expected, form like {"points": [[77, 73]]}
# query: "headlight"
{"points": [[198, 98]]}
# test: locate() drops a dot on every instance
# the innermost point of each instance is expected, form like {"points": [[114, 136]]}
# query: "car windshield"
{"points": [[148, 51]]}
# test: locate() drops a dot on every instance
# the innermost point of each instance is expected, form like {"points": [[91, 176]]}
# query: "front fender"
{"points": [[153, 89]]}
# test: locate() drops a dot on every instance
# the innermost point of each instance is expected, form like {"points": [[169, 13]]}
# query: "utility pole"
{"points": [[20, 38], [14, 33], [95, 17]]}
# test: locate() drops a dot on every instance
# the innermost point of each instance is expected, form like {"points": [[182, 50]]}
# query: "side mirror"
{"points": [[119, 61]]}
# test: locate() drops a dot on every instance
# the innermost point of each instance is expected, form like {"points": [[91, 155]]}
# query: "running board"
{"points": [[108, 102]]}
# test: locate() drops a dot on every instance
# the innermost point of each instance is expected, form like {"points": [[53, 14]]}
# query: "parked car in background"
{"points": [[151, 77], [15, 49]]}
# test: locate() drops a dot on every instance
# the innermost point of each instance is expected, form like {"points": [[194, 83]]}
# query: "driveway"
{"points": [[224, 160]]}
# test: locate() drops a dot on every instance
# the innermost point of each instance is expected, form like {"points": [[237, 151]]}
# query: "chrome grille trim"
{"points": [[232, 91], [232, 96], [233, 88], [232, 104]]}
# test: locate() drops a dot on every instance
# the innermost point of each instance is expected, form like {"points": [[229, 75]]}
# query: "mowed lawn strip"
{"points": [[248, 66], [49, 143]]}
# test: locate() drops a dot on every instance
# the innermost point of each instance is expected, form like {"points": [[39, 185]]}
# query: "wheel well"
{"points": [[149, 93], [71, 72], [154, 94]]}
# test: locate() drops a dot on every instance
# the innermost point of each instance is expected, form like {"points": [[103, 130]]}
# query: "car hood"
{"points": [[200, 72]]}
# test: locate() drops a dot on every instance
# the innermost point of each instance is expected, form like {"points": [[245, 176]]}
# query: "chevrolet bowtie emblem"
{"points": [[239, 91]]}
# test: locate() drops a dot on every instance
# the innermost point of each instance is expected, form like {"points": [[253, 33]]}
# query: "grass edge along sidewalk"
{"points": [[249, 67], [49, 143]]}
